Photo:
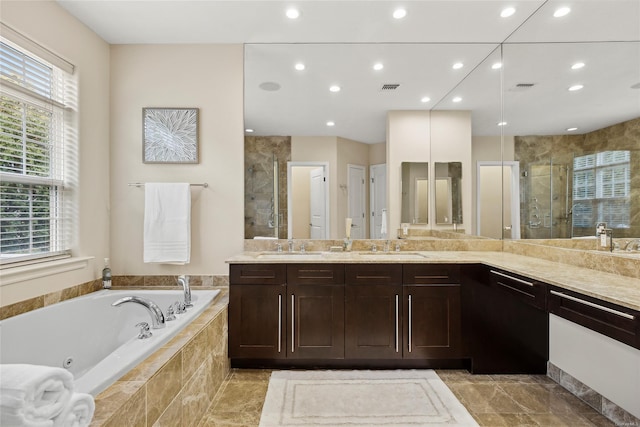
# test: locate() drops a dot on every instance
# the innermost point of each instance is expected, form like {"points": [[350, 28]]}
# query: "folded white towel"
{"points": [[78, 412], [167, 223], [32, 395]]}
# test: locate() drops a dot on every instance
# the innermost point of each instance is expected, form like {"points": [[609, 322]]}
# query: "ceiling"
{"points": [[339, 41]]}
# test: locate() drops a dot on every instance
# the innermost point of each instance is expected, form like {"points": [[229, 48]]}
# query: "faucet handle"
{"points": [[145, 331], [170, 314], [180, 307]]}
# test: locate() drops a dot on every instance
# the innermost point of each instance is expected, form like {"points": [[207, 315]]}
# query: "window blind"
{"points": [[33, 94]]}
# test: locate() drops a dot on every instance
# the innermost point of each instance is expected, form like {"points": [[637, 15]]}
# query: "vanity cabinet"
{"points": [[614, 321], [432, 306], [315, 311], [257, 311], [373, 307], [508, 323]]}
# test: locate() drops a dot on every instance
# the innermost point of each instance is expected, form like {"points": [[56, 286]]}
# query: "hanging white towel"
{"points": [[167, 223], [383, 227], [32, 395]]}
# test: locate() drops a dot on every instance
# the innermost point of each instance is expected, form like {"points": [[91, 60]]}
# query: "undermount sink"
{"points": [[294, 255], [395, 255]]}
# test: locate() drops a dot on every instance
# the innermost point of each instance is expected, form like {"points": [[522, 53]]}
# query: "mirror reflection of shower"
{"points": [[266, 187]]}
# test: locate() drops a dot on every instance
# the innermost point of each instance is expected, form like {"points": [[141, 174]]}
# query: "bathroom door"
{"points": [[356, 200], [317, 191], [498, 211], [377, 198]]}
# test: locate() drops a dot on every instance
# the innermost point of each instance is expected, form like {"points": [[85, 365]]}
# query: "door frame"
{"points": [[325, 168], [515, 195], [373, 200]]}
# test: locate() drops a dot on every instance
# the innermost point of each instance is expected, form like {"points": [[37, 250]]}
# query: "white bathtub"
{"points": [[96, 342]]}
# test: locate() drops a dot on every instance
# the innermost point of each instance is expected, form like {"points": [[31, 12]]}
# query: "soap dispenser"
{"points": [[106, 275]]}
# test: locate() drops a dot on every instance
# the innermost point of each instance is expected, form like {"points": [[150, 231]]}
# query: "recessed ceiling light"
{"points": [[378, 66], [300, 66], [571, 129], [575, 87], [507, 12], [458, 65], [560, 12], [457, 99], [577, 65], [425, 99], [335, 88], [293, 13], [331, 123], [248, 130], [496, 66], [399, 13], [502, 124]]}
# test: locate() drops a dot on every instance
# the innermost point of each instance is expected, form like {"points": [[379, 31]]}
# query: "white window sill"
{"points": [[13, 275]]}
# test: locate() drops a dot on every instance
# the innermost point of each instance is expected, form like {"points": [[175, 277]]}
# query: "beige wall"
{"points": [[408, 140], [46, 23], [208, 77], [301, 201], [377, 153]]}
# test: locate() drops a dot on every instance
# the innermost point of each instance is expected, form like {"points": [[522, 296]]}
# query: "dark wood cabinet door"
{"points": [[432, 324], [316, 321], [373, 321], [508, 333], [257, 327]]}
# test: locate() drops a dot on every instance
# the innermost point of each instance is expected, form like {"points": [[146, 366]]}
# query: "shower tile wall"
{"points": [[537, 154], [259, 154]]}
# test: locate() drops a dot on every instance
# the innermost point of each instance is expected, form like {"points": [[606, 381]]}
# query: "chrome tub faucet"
{"points": [[157, 318], [184, 282]]}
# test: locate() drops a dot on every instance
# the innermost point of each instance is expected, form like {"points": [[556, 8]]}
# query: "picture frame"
{"points": [[170, 135]]}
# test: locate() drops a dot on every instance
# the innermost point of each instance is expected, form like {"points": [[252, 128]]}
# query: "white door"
{"points": [[377, 198], [317, 220], [356, 201], [498, 214]]}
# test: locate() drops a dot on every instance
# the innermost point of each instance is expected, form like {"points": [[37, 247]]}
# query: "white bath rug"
{"points": [[361, 398]]}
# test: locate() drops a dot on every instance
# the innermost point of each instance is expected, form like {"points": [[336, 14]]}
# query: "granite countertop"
{"points": [[614, 288]]}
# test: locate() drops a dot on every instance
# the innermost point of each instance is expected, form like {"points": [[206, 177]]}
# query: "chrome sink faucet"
{"points": [[157, 318], [184, 282], [290, 243]]}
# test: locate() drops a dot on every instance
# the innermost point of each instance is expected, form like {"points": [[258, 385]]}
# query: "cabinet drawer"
{"points": [[315, 274], [523, 288], [430, 274], [620, 323], [373, 274], [257, 274]]}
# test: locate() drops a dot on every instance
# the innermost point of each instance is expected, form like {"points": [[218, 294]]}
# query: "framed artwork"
{"points": [[170, 135]]}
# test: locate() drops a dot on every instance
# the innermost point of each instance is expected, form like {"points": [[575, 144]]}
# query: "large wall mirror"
{"points": [[555, 145]]}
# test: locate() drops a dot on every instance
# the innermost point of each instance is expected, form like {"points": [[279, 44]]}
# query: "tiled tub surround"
{"points": [[175, 385]]}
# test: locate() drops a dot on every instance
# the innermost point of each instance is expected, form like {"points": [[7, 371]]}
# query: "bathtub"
{"points": [[96, 342]]}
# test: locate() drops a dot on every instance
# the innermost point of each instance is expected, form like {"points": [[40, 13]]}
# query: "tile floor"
{"points": [[493, 400]]}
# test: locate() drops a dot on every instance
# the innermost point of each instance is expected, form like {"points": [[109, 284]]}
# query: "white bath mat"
{"points": [[361, 398]]}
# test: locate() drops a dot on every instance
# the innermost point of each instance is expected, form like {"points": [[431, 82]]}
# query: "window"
{"points": [[601, 189], [34, 129]]}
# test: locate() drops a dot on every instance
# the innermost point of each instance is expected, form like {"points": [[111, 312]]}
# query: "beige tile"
{"points": [[195, 398], [504, 420], [231, 419], [163, 388], [195, 352], [485, 398], [241, 396], [172, 416], [113, 399], [132, 413]]}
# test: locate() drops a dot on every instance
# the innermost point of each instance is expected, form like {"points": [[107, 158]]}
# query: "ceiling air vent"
{"points": [[519, 87], [390, 86]]}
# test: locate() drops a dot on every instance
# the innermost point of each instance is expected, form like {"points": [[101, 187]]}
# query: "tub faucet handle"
{"points": [[180, 307], [171, 315], [145, 331]]}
